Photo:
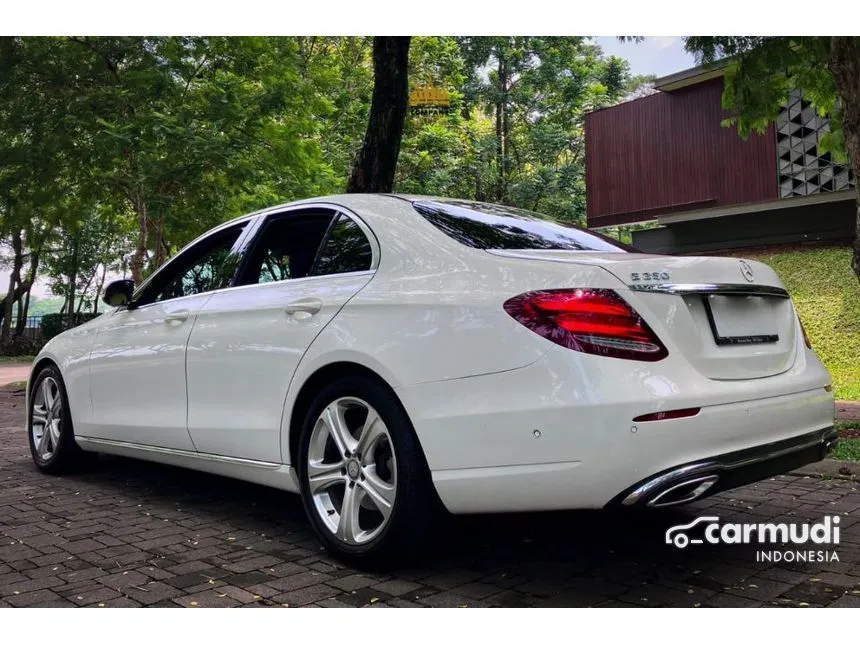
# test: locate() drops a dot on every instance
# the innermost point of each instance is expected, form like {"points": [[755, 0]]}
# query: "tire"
{"points": [[392, 460], [61, 454]]}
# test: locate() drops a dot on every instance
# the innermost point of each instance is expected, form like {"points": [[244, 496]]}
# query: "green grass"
{"points": [[17, 359], [827, 296], [847, 450]]}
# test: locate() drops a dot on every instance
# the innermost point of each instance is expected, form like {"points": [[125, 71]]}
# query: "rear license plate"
{"points": [[741, 320]]}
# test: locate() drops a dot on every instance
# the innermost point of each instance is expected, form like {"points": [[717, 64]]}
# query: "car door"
{"points": [[247, 341], [137, 363]]}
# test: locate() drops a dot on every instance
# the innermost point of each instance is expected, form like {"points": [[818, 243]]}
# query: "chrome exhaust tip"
{"points": [[683, 492]]}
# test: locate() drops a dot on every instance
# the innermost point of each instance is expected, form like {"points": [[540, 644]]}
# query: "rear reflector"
{"points": [[670, 414], [594, 321]]}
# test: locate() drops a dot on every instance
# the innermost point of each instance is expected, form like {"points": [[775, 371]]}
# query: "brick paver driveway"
{"points": [[129, 533]]}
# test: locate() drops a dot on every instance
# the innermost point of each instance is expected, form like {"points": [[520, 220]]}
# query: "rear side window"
{"points": [[346, 249], [491, 226], [287, 247]]}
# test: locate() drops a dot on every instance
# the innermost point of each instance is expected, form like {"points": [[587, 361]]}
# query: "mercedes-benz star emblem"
{"points": [[746, 271], [353, 469]]}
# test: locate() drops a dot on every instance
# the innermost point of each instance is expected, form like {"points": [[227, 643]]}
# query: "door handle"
{"points": [[176, 316], [302, 309]]}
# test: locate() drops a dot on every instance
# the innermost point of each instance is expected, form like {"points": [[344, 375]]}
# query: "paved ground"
{"points": [[13, 373], [848, 410], [128, 533]]}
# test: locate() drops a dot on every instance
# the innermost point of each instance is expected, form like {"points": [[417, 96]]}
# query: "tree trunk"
{"points": [[23, 307], [99, 289], [13, 294], [70, 294], [501, 189], [845, 67], [373, 169], [139, 258], [162, 251], [83, 296], [27, 286], [502, 128]]}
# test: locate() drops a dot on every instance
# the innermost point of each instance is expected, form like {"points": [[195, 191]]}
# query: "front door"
{"points": [[137, 364], [248, 341]]}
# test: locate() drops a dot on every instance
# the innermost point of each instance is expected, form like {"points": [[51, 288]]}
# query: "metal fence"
{"points": [[32, 327]]}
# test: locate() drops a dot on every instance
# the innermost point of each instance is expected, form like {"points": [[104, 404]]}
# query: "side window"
{"points": [[346, 249], [286, 247], [210, 265]]}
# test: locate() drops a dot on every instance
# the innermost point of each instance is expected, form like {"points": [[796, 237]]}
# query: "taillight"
{"points": [[803, 331], [594, 321]]}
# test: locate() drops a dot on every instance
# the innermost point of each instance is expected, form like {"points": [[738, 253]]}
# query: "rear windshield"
{"points": [[491, 226]]}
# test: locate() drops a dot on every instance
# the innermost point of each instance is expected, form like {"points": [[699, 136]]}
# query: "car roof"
{"points": [[347, 200]]}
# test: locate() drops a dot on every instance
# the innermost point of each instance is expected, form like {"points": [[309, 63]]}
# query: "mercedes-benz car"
{"points": [[391, 356]]}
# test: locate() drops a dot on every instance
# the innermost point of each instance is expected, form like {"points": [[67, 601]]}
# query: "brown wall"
{"points": [[667, 153]]}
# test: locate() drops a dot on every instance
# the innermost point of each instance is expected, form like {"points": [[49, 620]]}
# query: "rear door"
{"points": [[303, 266]]}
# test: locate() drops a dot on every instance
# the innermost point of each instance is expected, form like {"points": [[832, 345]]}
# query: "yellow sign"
{"points": [[430, 96]]}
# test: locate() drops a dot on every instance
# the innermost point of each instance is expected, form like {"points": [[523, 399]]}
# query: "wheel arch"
{"points": [[40, 364], [312, 385]]}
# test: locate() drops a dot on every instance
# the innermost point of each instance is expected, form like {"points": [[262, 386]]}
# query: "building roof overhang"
{"points": [[756, 207], [692, 76]]}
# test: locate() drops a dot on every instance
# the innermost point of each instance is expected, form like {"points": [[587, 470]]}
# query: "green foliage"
{"points": [[116, 151], [847, 450], [827, 297], [515, 133]]}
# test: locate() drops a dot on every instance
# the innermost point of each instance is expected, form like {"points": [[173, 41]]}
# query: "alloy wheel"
{"points": [[352, 470], [46, 418]]}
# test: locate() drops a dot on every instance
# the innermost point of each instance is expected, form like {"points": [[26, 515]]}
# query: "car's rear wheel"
{"points": [[50, 432], [365, 483]]}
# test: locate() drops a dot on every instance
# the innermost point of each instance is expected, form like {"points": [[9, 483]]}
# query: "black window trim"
{"points": [[157, 279], [298, 209], [253, 226], [373, 252], [268, 218], [323, 242]]}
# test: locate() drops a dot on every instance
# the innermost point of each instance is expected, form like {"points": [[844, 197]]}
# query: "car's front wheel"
{"points": [[51, 435], [365, 484]]}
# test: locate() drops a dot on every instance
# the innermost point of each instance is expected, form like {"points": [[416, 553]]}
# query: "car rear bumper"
{"points": [[559, 435], [692, 481]]}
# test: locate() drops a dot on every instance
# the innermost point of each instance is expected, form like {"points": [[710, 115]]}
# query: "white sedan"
{"points": [[380, 354]]}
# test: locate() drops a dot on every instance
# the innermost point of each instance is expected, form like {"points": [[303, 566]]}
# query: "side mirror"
{"points": [[118, 293]]}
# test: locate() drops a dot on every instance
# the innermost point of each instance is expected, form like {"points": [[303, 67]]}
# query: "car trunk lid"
{"points": [[730, 318]]}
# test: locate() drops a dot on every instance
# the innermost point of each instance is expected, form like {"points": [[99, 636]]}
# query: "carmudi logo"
{"points": [[709, 530]]}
